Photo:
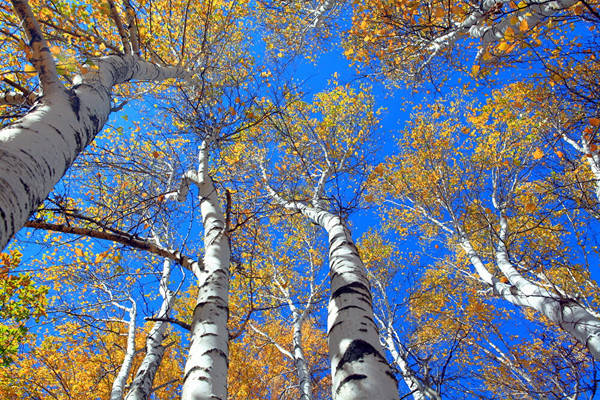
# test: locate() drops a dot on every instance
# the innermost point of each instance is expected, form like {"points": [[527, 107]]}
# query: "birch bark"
{"points": [[566, 312], [359, 369], [36, 151], [559, 308], [206, 367], [388, 337], [358, 365], [120, 381], [141, 387], [300, 360]]}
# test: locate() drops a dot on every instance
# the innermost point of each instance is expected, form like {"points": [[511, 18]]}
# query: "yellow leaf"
{"points": [[55, 50], [99, 258], [30, 70], [523, 26], [78, 252], [502, 46], [530, 207], [538, 153], [475, 70]]}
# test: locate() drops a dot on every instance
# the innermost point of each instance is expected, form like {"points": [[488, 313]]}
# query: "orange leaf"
{"points": [[78, 252], [560, 154], [538, 153], [523, 26]]}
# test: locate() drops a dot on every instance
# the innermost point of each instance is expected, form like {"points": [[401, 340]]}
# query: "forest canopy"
{"points": [[232, 199]]}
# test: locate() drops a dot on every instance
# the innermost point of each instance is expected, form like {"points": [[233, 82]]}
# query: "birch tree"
{"points": [[143, 47], [404, 39], [299, 294], [496, 174], [99, 348], [489, 354], [205, 374], [384, 263], [358, 365]]}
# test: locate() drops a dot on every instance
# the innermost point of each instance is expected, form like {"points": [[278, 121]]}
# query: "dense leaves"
{"points": [[194, 243]]}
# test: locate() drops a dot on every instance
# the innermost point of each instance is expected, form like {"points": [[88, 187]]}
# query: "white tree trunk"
{"points": [[205, 374], [141, 387], [566, 312], [36, 151], [419, 390], [358, 365], [299, 358], [120, 381], [593, 160]]}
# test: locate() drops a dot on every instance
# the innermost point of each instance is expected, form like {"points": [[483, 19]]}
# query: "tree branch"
{"points": [[124, 238], [170, 320], [41, 58], [114, 14]]}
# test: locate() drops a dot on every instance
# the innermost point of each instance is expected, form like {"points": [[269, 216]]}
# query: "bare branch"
{"points": [[175, 321], [133, 28], [124, 238]]}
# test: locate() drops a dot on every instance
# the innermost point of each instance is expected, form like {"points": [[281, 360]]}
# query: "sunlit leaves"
{"points": [[21, 299], [76, 361]]}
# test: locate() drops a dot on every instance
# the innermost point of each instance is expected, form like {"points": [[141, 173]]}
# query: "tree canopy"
{"points": [[299, 199]]}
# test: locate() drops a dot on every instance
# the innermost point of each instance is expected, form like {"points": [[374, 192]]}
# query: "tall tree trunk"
{"points": [[358, 365], [205, 375], [36, 151], [299, 358]]}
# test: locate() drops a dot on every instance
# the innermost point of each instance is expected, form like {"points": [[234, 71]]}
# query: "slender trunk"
{"points": [[417, 388], [594, 162], [358, 365], [300, 359], [120, 381], [141, 387], [36, 151], [205, 375]]}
